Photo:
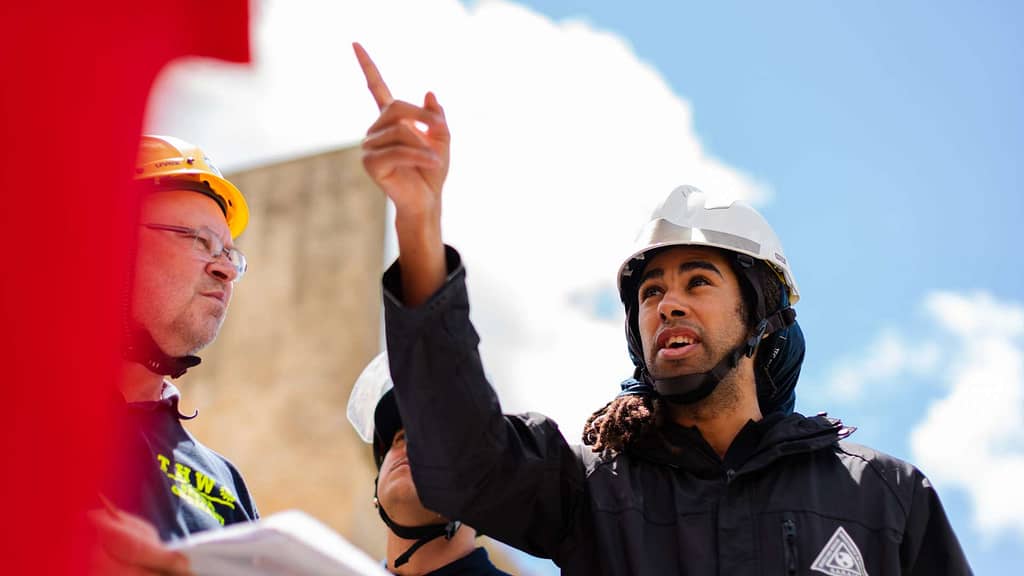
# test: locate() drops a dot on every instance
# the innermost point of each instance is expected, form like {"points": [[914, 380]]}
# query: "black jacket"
{"points": [[788, 498]]}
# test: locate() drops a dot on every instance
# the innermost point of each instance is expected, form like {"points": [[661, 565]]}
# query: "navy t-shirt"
{"points": [[169, 478], [475, 563]]}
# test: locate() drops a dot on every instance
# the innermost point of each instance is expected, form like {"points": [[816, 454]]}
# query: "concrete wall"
{"points": [[272, 389]]}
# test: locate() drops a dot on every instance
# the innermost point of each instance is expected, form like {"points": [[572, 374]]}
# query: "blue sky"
{"points": [[880, 140], [890, 133]]}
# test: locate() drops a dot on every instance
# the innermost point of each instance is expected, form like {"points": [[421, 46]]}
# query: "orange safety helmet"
{"points": [[173, 163]]}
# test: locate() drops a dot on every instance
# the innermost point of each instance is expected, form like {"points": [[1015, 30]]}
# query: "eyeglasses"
{"points": [[208, 243]]}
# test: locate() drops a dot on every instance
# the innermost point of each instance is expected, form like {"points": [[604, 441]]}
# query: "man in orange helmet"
{"points": [[178, 291]]}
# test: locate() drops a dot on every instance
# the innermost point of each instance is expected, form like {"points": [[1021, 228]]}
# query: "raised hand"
{"points": [[406, 150], [406, 153]]}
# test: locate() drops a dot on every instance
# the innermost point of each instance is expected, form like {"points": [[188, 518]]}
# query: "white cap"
{"points": [[370, 387]]}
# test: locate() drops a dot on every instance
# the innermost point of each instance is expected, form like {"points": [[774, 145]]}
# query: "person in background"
{"points": [[420, 542]]}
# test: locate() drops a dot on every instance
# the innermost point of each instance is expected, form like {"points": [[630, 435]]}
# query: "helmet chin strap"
{"points": [[421, 534], [691, 388], [140, 347]]}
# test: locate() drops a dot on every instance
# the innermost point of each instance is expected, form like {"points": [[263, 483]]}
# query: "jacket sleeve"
{"points": [[514, 478], [929, 544]]}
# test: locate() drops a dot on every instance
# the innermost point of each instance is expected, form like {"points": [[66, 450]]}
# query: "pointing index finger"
{"points": [[374, 82]]}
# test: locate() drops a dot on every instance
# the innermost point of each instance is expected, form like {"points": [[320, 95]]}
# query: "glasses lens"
{"points": [[238, 261], [208, 242]]}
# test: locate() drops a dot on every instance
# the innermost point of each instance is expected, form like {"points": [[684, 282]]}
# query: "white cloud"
{"points": [[973, 437], [563, 141], [887, 358]]}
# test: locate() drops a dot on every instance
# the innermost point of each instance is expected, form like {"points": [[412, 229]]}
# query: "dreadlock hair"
{"points": [[621, 422], [629, 418]]}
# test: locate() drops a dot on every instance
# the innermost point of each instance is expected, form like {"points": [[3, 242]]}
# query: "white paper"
{"points": [[290, 543]]}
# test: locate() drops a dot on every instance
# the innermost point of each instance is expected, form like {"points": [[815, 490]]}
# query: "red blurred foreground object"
{"points": [[75, 80]]}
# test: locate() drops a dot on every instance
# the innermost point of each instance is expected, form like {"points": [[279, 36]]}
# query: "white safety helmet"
{"points": [[372, 410], [685, 219]]}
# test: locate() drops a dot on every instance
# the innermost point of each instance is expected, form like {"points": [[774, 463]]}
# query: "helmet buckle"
{"points": [[451, 528], [756, 337]]}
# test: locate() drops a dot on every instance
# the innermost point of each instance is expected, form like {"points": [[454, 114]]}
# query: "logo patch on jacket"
{"points": [[198, 488], [840, 557]]}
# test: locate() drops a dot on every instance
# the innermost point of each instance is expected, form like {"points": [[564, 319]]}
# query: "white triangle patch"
{"points": [[840, 557]]}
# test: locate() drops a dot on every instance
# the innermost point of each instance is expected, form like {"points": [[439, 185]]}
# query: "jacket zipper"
{"points": [[789, 543]]}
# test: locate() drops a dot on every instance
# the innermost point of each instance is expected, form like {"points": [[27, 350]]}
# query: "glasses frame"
{"points": [[217, 249]]}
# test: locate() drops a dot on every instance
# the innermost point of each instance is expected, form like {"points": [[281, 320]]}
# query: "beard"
{"points": [[181, 321], [715, 347], [723, 400], [201, 336], [194, 330], [727, 394]]}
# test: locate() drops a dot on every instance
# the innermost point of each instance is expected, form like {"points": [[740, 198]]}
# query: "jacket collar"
{"points": [[169, 398], [756, 446]]}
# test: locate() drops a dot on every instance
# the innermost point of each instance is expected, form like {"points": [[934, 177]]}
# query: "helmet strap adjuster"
{"points": [[421, 534], [756, 336]]}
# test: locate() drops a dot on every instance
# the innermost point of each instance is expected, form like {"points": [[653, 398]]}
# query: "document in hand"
{"points": [[290, 543]]}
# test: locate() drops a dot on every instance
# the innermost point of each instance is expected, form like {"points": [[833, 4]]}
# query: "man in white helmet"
{"points": [[699, 466], [420, 541], [166, 484]]}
